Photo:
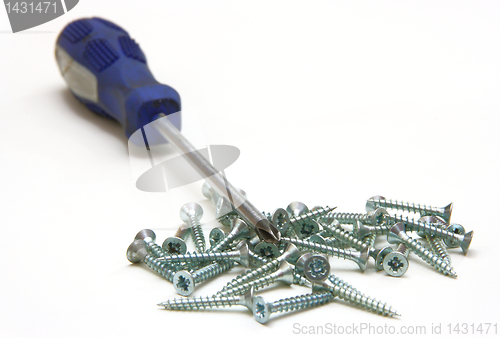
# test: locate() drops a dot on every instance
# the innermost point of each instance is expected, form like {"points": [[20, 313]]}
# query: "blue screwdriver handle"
{"points": [[107, 71]]}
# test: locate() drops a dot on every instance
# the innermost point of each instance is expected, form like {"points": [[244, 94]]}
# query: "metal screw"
{"points": [[185, 282], [149, 237], [202, 303], [291, 255], [284, 274], [436, 244], [262, 310], [375, 217], [361, 257], [363, 230], [267, 250], [239, 230], [346, 292], [304, 223], [174, 245], [240, 255], [396, 262], [191, 214], [398, 235], [137, 252], [455, 228], [348, 238], [315, 268], [433, 230], [216, 234], [424, 210]]}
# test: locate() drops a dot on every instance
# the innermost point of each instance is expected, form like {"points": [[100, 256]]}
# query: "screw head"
{"points": [[183, 283], [267, 250], [395, 264], [306, 228], [191, 210], [137, 251], [370, 205], [315, 268], [281, 220], [240, 227], [244, 258], [427, 219], [317, 239], [207, 190], [296, 209], [457, 229], [447, 212], [174, 246], [395, 232], [146, 234], [261, 310], [363, 259], [360, 230], [216, 234], [291, 253], [285, 270], [379, 259], [377, 216], [248, 297]]}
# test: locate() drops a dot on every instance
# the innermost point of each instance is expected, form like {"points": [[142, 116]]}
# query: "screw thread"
{"points": [[257, 258], [198, 236], [258, 283], [301, 302], [252, 275], [160, 267], [346, 237], [325, 249], [438, 248], [211, 271], [427, 228], [348, 218], [408, 206], [201, 257], [301, 280], [370, 240], [340, 283], [200, 303], [381, 229], [224, 242], [403, 249], [311, 215], [155, 249], [353, 296], [429, 257]]}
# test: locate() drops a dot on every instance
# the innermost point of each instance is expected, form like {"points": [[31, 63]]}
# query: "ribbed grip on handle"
{"points": [[107, 71]]}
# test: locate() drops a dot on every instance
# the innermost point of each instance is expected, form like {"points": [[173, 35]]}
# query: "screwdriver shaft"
{"points": [[218, 182]]}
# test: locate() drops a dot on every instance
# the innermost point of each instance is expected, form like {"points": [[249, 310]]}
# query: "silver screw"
{"points": [[262, 309], [346, 292], [375, 217], [433, 230], [216, 234], [363, 230], [396, 262], [185, 282], [436, 244], [284, 274], [202, 303], [361, 257], [240, 255], [174, 245], [149, 237], [348, 238], [267, 250], [191, 214], [398, 235], [137, 252], [239, 230], [424, 210], [315, 268], [291, 255], [304, 222], [455, 228]]}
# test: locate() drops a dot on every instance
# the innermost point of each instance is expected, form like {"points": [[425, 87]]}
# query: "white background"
{"points": [[330, 102]]}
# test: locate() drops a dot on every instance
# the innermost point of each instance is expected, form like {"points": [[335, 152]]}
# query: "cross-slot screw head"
{"points": [[174, 245], [315, 268]]}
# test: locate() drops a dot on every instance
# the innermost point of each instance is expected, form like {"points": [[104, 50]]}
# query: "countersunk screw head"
{"points": [[216, 234], [296, 209], [457, 229], [183, 283], [395, 264], [379, 259], [281, 220], [370, 206], [267, 250], [191, 211], [261, 310], [137, 251], [291, 253], [395, 232], [377, 216], [174, 246], [315, 268], [244, 258], [144, 234]]}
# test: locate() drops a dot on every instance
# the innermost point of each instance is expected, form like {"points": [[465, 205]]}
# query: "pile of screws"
{"points": [[308, 238]]}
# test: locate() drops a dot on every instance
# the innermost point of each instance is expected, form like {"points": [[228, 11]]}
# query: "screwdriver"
{"points": [[107, 71]]}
